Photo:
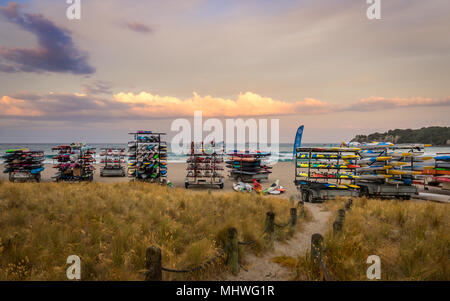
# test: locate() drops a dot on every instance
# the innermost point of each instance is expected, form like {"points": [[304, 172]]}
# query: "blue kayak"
{"points": [[37, 170], [442, 158]]}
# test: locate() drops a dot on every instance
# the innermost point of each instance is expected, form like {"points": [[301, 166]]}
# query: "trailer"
{"points": [[314, 192], [111, 160], [321, 173], [385, 190], [24, 176]]}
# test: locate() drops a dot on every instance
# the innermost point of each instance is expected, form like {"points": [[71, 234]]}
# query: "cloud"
{"points": [[60, 106], [247, 104], [98, 87], [382, 103], [55, 52], [145, 105], [139, 27]]}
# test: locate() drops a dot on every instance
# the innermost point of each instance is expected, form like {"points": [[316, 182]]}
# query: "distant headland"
{"points": [[434, 135]]}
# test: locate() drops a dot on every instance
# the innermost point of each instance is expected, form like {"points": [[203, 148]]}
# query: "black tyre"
{"points": [[364, 192], [310, 197], [303, 195], [306, 196]]}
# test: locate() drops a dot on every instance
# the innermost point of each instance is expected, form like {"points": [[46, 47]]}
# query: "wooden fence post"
{"points": [[316, 249], [293, 212], [153, 264], [337, 227], [270, 225], [341, 215], [301, 204], [348, 204], [233, 251]]}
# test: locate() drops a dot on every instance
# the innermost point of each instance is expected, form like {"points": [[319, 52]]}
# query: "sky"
{"points": [[129, 65]]}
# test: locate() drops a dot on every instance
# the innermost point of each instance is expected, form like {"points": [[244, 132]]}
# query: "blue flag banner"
{"points": [[298, 139]]}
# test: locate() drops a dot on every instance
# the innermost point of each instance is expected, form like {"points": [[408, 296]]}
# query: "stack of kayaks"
{"points": [[204, 165], [332, 167], [248, 165], [23, 164], [384, 162], [147, 156], [74, 162], [442, 164], [112, 160], [442, 170]]}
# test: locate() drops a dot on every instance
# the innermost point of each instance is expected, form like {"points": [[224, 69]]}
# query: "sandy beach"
{"points": [[284, 171]]}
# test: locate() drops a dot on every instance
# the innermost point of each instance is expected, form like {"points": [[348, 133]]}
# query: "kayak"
{"points": [[326, 156], [375, 159], [402, 172], [327, 149], [442, 158], [327, 166]]}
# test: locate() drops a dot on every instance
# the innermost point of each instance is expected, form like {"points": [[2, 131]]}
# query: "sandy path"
{"points": [[263, 269]]}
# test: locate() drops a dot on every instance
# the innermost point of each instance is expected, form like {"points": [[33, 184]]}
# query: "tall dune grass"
{"points": [[412, 240], [110, 226]]}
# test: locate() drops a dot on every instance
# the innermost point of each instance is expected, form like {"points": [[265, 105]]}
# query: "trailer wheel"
{"points": [[307, 196], [310, 197], [364, 192], [304, 196]]}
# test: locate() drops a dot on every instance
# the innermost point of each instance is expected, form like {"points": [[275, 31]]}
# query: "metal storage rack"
{"points": [[147, 157], [401, 171], [74, 162], [112, 160], [204, 167], [247, 170], [23, 165], [326, 171]]}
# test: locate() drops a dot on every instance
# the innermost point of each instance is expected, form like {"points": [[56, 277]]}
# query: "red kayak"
{"points": [[442, 179]]}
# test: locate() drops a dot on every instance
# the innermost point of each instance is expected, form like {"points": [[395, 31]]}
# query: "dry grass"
{"points": [[412, 240], [110, 226]]}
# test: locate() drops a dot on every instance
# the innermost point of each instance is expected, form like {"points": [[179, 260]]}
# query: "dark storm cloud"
{"points": [[55, 52]]}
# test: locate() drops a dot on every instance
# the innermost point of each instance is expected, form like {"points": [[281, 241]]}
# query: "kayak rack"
{"points": [[23, 165], [204, 166], [246, 166], [326, 172], [75, 163], [147, 157], [112, 160]]}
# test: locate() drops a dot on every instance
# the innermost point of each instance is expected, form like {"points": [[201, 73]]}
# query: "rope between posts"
{"points": [[247, 243], [284, 225], [324, 269]]}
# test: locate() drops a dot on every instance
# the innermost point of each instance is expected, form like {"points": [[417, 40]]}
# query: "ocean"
{"points": [[284, 153]]}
